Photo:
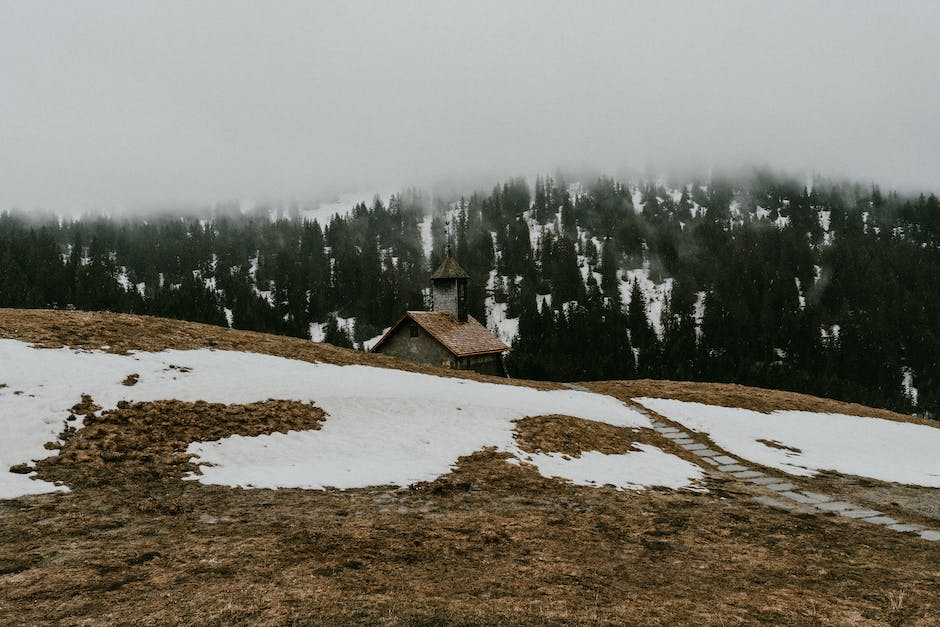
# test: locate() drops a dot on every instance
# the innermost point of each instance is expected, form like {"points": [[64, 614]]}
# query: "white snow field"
{"points": [[899, 452], [383, 427]]}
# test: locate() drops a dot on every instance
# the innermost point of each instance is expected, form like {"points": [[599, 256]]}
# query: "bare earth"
{"points": [[490, 543]]}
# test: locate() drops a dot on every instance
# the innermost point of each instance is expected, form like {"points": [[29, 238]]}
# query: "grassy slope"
{"points": [[487, 543]]}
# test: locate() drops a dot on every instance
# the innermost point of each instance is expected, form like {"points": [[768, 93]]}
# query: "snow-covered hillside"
{"points": [[382, 427]]}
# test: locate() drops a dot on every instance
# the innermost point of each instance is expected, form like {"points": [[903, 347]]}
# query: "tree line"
{"points": [[831, 290]]}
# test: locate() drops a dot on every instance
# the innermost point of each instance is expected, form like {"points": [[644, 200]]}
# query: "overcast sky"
{"points": [[143, 104]]}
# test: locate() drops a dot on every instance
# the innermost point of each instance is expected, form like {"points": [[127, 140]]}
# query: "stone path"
{"points": [[784, 495]]}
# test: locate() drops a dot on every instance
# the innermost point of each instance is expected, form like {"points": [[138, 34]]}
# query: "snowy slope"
{"points": [[343, 205], [867, 447], [382, 427]]}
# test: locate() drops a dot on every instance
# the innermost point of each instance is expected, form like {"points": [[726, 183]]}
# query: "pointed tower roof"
{"points": [[449, 268]]}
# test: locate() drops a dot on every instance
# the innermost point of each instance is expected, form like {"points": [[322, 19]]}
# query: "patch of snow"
{"points": [[637, 197], [535, 230], [342, 205], [799, 292], [649, 466], [427, 242], [700, 307], [229, 317], [825, 218], [762, 214], [383, 427], [543, 299], [372, 341], [506, 329], [907, 383], [318, 329], [654, 294], [880, 449], [123, 280]]}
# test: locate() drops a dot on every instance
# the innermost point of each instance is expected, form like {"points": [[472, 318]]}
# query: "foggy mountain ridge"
{"points": [[760, 279]]}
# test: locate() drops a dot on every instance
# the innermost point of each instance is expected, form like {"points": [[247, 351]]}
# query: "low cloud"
{"points": [[110, 104]]}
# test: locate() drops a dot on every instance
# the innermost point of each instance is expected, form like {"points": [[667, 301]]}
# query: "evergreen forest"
{"points": [[831, 289]]}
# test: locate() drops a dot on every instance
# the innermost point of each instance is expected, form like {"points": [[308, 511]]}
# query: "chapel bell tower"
{"points": [[449, 288]]}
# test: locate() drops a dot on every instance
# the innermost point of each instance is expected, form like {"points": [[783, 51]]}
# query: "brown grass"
{"points": [[734, 395], [572, 436], [140, 442], [119, 333], [565, 434], [489, 543]]}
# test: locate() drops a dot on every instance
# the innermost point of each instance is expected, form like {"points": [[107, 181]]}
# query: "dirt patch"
{"points": [[142, 442], [572, 436], [131, 379], [565, 434], [120, 333], [733, 395]]}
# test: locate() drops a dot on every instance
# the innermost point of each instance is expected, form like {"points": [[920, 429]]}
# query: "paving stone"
{"points": [[880, 520], [836, 506], [781, 487], [861, 513], [814, 498], [765, 480], [682, 441], [770, 501], [695, 446], [905, 527], [746, 474], [676, 436], [664, 429], [930, 534], [818, 497], [706, 453], [796, 496], [732, 468], [724, 459], [710, 460]]}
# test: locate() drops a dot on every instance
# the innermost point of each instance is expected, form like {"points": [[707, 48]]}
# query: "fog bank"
{"points": [[154, 104]]}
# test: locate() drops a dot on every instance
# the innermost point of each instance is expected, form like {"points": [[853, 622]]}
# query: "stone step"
{"points": [[765, 480], [840, 507], [880, 520], [862, 513], [817, 496], [799, 497]]}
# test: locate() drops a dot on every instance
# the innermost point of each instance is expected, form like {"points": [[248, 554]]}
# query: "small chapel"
{"points": [[447, 335]]}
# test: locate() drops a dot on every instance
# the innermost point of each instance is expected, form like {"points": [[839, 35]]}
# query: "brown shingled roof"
{"points": [[450, 269], [461, 339]]}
